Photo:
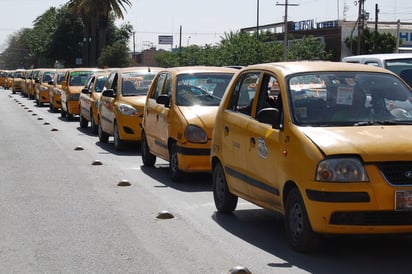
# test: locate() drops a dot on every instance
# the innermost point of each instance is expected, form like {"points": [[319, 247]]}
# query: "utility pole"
{"points": [[257, 20], [285, 38], [376, 17], [362, 16]]}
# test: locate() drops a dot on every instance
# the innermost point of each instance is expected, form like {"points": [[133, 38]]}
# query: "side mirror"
{"points": [[270, 116], [109, 93], [163, 100], [85, 91], [51, 83]]}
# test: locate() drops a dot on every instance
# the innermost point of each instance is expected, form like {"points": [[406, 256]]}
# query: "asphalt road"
{"points": [[60, 213]]}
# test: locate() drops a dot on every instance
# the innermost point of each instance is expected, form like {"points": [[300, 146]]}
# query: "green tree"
{"points": [[40, 38], [116, 55], [95, 15], [67, 39], [372, 42], [308, 48], [17, 53]]}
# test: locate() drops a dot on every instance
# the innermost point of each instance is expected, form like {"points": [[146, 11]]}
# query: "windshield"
{"points": [[203, 89], [136, 83], [402, 67], [79, 78], [349, 98]]}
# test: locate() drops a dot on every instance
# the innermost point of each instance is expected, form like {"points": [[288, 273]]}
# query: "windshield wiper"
{"points": [[382, 122]]}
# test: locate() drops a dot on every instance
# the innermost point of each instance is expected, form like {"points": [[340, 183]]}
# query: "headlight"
{"points": [[43, 88], [341, 170], [127, 110], [195, 134]]}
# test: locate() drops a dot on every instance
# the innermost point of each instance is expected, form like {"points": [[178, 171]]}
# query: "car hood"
{"points": [[202, 116], [372, 143]]}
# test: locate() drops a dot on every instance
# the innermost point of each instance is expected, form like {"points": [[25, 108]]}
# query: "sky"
{"points": [[206, 22]]}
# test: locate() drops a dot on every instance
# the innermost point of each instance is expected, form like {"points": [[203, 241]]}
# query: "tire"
{"points": [[148, 158], [225, 201], [63, 113], [175, 173], [93, 125], [83, 122], [103, 136], [297, 225], [118, 143], [69, 116]]}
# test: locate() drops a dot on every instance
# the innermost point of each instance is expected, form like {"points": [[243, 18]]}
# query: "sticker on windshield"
{"points": [[344, 96], [262, 148]]}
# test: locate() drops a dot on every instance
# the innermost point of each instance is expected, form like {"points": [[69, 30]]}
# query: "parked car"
{"points": [[121, 104], [72, 84], [10, 77], [399, 63], [31, 84], [328, 174], [89, 98], [43, 82], [55, 90], [27, 82], [19, 81], [179, 117], [3, 79]]}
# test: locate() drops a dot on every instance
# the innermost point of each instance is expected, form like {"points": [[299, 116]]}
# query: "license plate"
{"points": [[403, 200]]}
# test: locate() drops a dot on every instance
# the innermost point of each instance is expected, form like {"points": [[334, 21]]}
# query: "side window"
{"points": [[109, 82], [168, 85], [158, 85], [244, 93], [269, 94]]}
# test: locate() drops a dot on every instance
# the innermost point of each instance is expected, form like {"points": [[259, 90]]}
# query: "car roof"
{"points": [[381, 56], [191, 69], [287, 68]]}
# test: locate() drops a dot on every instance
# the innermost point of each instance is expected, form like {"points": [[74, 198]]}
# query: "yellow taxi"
{"points": [[121, 104], [27, 82], [179, 117], [31, 84], [44, 81], [72, 84], [19, 81], [55, 90], [326, 144], [10, 77], [3, 79], [89, 99]]}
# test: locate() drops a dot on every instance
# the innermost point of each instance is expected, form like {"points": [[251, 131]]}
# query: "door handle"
{"points": [[252, 141]]}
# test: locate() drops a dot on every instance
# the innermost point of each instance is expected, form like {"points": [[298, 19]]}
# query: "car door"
{"points": [[106, 105], [236, 118], [263, 152], [156, 116]]}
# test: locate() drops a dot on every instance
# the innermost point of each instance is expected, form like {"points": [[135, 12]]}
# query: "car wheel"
{"points": [[63, 113], [103, 136], [93, 125], [148, 158], [225, 201], [83, 122], [118, 143], [175, 173], [69, 116], [297, 225]]}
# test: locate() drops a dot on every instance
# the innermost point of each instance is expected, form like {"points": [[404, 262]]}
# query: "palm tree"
{"points": [[95, 15]]}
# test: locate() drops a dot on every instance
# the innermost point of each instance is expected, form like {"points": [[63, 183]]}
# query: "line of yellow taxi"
{"points": [[326, 146]]}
